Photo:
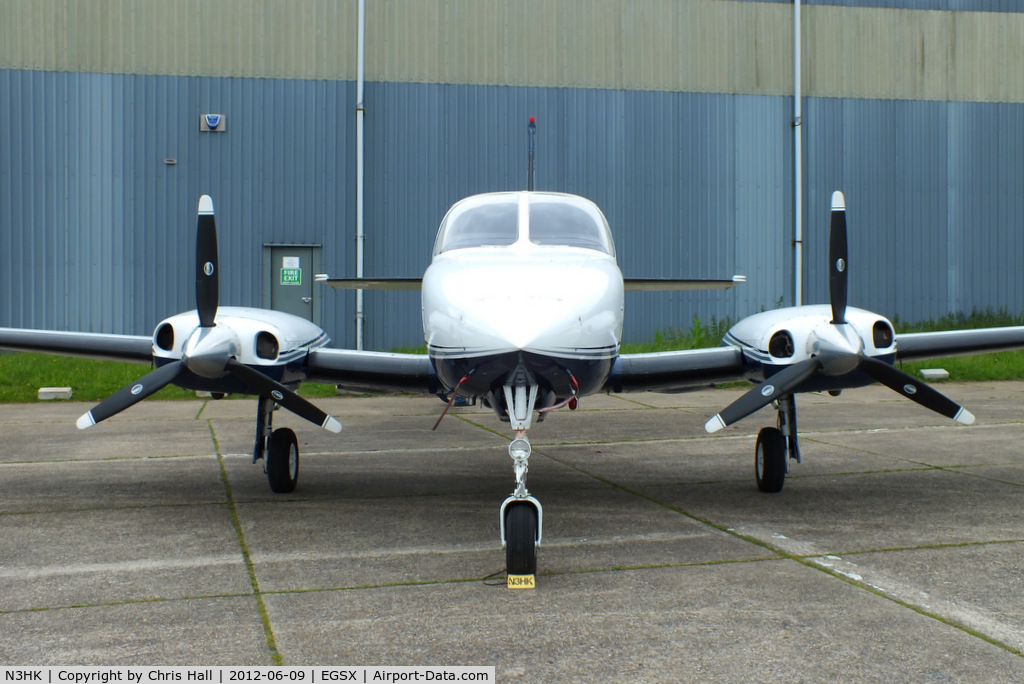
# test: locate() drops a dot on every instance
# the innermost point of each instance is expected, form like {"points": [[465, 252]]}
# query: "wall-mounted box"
{"points": [[213, 123]]}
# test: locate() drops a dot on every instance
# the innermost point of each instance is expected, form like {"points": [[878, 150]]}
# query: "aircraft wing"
{"points": [[376, 372], [370, 283], [933, 345], [132, 348], [675, 371], [663, 285]]}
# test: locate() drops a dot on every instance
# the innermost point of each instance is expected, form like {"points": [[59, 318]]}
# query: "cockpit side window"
{"points": [[561, 223], [484, 225]]}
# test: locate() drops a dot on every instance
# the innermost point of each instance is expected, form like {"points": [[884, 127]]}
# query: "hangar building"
{"points": [[678, 117]]}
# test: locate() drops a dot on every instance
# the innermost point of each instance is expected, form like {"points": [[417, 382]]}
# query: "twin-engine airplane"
{"points": [[522, 311]]}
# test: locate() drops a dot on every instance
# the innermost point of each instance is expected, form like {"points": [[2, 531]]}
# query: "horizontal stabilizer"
{"points": [[370, 283], [665, 285]]}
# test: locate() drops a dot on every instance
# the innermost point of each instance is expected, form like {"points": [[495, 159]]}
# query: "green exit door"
{"points": [[291, 279]]}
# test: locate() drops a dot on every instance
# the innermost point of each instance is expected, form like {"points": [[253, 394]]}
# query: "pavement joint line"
{"points": [[560, 573], [390, 585], [202, 408], [125, 602], [101, 508], [236, 522], [105, 459], [923, 547]]}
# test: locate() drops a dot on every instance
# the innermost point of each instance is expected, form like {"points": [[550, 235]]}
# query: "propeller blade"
{"points": [[915, 390], [837, 258], [779, 385], [261, 384], [131, 395], [207, 286]]}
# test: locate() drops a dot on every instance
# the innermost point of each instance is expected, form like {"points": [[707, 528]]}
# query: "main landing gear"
{"points": [[776, 446], [521, 514], [279, 449]]}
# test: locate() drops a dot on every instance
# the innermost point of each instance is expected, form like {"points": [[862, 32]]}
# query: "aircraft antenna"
{"points": [[532, 128]]}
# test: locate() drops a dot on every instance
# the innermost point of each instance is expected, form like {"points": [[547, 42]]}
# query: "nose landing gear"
{"points": [[521, 514]]}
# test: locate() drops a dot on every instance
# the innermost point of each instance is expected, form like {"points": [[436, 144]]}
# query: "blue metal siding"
{"points": [[933, 192], [96, 232]]}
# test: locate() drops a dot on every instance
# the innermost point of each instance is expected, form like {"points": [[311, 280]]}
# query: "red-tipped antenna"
{"points": [[532, 128]]}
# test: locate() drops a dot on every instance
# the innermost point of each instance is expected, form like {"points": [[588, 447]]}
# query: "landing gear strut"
{"points": [[279, 449], [521, 514], [776, 447]]}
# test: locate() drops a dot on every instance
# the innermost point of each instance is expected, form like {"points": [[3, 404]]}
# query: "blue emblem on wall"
{"points": [[212, 121]]}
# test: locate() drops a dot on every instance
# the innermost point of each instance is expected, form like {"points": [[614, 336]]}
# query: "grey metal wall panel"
{"points": [[934, 204], [96, 232]]}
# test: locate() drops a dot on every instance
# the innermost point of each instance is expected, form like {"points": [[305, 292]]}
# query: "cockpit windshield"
{"points": [[563, 223], [495, 221], [494, 224]]}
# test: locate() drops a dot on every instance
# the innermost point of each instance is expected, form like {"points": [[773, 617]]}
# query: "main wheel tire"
{"points": [[770, 460], [521, 539], [283, 461]]}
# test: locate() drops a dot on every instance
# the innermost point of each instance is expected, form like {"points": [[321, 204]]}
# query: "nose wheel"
{"points": [[521, 522]]}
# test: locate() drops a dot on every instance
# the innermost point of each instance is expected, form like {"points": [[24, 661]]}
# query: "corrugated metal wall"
{"points": [[673, 115], [96, 231]]}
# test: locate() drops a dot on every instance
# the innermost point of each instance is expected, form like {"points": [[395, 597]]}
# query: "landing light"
{"points": [[520, 448]]}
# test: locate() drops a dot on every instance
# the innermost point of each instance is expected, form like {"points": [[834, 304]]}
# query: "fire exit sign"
{"points": [[291, 271]]}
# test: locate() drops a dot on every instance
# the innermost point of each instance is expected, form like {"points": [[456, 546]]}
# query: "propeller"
{"points": [[837, 258], [131, 395], [759, 396], [789, 379], [210, 353], [915, 390], [207, 282], [263, 385]]}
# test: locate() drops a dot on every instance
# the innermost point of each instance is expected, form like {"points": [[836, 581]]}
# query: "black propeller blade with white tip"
{"points": [[915, 390], [779, 385], [838, 258], [207, 285], [261, 384], [131, 395]]}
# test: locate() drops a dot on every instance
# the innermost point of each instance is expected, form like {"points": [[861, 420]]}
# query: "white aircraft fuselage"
{"points": [[523, 282]]}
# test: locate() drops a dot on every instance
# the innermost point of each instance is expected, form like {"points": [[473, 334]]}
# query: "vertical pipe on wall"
{"points": [[360, 112], [798, 173]]}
